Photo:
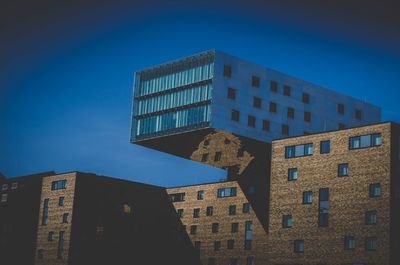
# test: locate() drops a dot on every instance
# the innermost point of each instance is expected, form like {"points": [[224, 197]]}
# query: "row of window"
{"points": [[210, 210], [221, 193], [343, 171], [45, 215], [232, 261], [234, 228], [5, 186], [60, 247], [230, 244]]}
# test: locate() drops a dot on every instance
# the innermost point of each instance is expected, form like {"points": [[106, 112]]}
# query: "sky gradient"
{"points": [[67, 71]]}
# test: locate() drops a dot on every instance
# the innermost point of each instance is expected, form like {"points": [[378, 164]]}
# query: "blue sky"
{"points": [[67, 73]]}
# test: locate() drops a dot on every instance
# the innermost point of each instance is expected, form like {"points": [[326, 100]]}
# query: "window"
{"points": [[375, 190], [60, 248], [209, 210], [217, 245], [227, 71], [307, 116], [323, 207], [232, 209], [233, 261], [290, 112], [235, 114], [180, 213], [358, 114], [292, 174], [299, 246], [61, 201], [307, 197], [4, 187], [51, 236], [211, 261], [349, 243], [287, 221], [255, 81], [226, 192], [217, 156], [341, 126], [14, 185], [250, 260], [234, 227], [204, 157], [65, 218], [215, 227], [272, 107], [306, 98], [246, 207], [251, 121], [227, 141], [206, 142], [285, 129], [177, 197], [298, 150], [59, 184], [193, 229], [231, 93], [343, 170], [200, 195], [196, 213], [248, 235], [45, 217], [340, 108], [251, 190], [4, 197], [371, 243], [287, 90], [365, 141], [273, 86], [257, 102], [371, 217], [197, 245], [266, 125], [240, 152], [40, 253], [247, 244], [325, 147]]}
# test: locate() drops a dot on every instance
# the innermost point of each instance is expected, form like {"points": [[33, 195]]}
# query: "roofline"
{"points": [[337, 130], [202, 184]]}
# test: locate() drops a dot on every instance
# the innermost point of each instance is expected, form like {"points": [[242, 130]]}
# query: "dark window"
{"points": [[65, 218], [227, 141], [375, 190], [306, 98], [206, 142], [266, 125], [285, 129], [51, 236], [196, 213], [251, 121], [358, 114], [325, 147], [349, 243], [307, 197], [272, 107], [257, 102], [215, 227], [323, 207], [226, 192], [40, 253], [290, 112], [340, 108], [231, 93], [232, 209], [197, 245], [193, 229], [59, 184], [273, 86], [247, 244], [234, 227], [255, 81], [60, 248], [45, 217], [240, 152], [251, 190], [299, 246], [287, 90], [211, 261], [227, 71], [371, 243], [180, 213], [204, 157], [177, 197], [200, 195], [217, 156], [307, 116], [235, 115], [246, 207], [371, 217], [233, 261], [343, 170], [248, 235], [231, 244], [287, 221], [250, 260], [209, 210], [341, 126], [365, 141], [217, 245], [292, 173], [61, 201]]}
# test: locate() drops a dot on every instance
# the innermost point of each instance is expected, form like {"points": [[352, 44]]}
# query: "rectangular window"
{"points": [[234, 227], [290, 112], [307, 197], [365, 141], [51, 236], [217, 245], [306, 98], [177, 197], [235, 115], [371, 218], [298, 150], [307, 116], [287, 221], [349, 243], [272, 107], [215, 227], [200, 195], [325, 147], [45, 217], [65, 218], [250, 260], [230, 244], [266, 126], [197, 245], [246, 207], [343, 170], [227, 71], [193, 229], [251, 121], [371, 243], [248, 235], [232, 209], [196, 213], [273, 86], [358, 114], [374, 190], [323, 207], [226, 192], [60, 248], [340, 108], [231, 93], [61, 201], [4, 197], [287, 90], [255, 81], [180, 213], [4, 187], [209, 210], [14, 185], [257, 102], [204, 157], [285, 129], [59, 184], [217, 156], [299, 246], [292, 174]]}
